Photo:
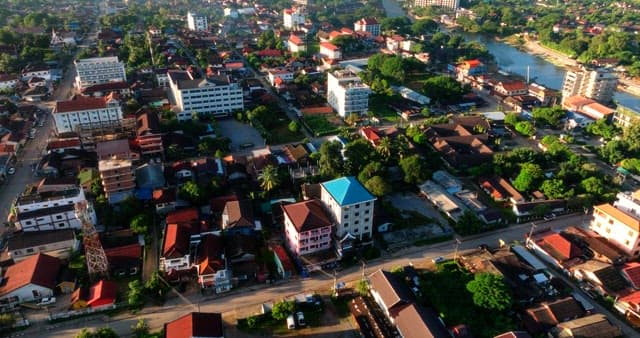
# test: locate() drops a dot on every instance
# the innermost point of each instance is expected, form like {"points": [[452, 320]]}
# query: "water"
{"points": [[393, 9]]}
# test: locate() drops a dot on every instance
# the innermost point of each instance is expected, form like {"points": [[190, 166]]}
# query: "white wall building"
{"points": [[99, 70], [57, 243], [453, 4], [8, 81], [29, 280], [91, 112], [620, 223], [216, 95], [370, 25], [346, 93], [197, 22], [293, 17], [597, 84], [330, 51], [283, 74], [351, 207]]}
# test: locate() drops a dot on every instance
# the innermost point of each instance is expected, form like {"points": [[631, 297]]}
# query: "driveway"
{"points": [[240, 134]]}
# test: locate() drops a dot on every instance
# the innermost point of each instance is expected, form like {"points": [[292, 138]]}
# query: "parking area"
{"points": [[243, 136], [413, 202]]}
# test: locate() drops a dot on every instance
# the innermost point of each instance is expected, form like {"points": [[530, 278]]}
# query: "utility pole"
{"points": [[363, 266], [533, 226], [455, 254]]}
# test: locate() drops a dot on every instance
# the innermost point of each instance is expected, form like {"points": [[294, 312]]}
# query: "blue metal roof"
{"points": [[347, 191]]}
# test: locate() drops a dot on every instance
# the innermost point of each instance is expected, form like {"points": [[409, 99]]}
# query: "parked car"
{"points": [[438, 259], [11, 171], [549, 217], [291, 324], [300, 317], [46, 301]]}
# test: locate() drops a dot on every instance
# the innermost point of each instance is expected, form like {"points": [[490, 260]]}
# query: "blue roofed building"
{"points": [[350, 205]]}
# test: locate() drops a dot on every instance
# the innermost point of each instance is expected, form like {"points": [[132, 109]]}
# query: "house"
{"points": [[464, 142], [55, 243], [148, 134], [176, 255], [555, 248], [212, 266], [150, 176], [30, 279], [371, 134], [511, 88], [8, 81], [415, 321], [164, 199], [442, 200], [125, 259], [307, 227], [87, 112], [60, 145], [237, 216], [501, 190], [296, 153], [631, 272], [602, 249], [603, 277], [629, 306], [593, 326], [114, 149], [350, 205], [545, 96], [282, 74], [330, 51], [284, 265], [296, 44], [471, 68], [369, 25], [36, 70], [547, 315], [104, 89], [195, 324], [394, 43], [103, 293], [451, 184], [619, 223], [390, 293], [527, 210]]}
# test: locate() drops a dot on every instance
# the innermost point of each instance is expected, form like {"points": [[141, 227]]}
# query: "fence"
{"points": [[81, 312]]}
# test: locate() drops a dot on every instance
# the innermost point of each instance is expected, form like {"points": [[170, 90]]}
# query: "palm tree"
{"points": [[401, 145], [384, 147], [269, 178]]}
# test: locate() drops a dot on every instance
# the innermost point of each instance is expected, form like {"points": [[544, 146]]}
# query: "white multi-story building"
{"points": [[91, 112], [283, 74], [370, 25], [216, 95], [620, 223], [50, 205], [293, 17], [100, 70], [346, 93], [197, 22], [597, 84], [453, 4], [351, 207]]}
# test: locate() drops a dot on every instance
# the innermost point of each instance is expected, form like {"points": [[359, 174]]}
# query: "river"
{"points": [[513, 60]]}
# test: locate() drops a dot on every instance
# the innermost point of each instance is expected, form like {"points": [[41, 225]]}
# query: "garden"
{"points": [[320, 125]]}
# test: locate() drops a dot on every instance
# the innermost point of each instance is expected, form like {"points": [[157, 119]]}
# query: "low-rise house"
{"points": [[124, 260], [511, 88], [442, 200], [165, 200], [36, 70], [176, 255], [555, 249], [195, 324], [237, 217], [463, 142], [284, 265], [212, 266], [593, 326], [527, 210], [148, 134], [547, 315], [330, 51], [296, 44], [631, 272], [8, 81], [371, 134], [103, 293], [390, 293], [29, 280], [415, 321], [150, 176], [604, 277], [61, 145], [283, 74], [296, 153], [55, 243], [501, 190], [307, 227], [602, 249]]}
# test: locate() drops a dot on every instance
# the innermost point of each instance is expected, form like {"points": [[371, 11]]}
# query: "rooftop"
{"points": [[195, 324], [32, 239], [347, 190], [307, 215], [40, 270]]}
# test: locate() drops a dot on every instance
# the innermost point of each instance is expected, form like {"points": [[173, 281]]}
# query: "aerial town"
{"points": [[293, 168]]}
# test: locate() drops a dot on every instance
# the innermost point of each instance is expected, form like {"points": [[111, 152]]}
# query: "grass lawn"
{"points": [[378, 105], [320, 125], [282, 134], [438, 288]]}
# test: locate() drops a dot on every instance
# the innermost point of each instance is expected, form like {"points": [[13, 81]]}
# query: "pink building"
{"points": [[307, 227]]}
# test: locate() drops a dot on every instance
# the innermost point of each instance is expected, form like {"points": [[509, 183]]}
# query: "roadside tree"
{"points": [[490, 291]]}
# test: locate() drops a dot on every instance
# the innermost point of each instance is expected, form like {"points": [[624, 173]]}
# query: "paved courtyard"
{"points": [[243, 136]]}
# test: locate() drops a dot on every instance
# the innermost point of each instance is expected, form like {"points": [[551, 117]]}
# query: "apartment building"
{"points": [[216, 95], [346, 93], [98, 70], [307, 227], [350, 206], [56, 243], [148, 134], [50, 205], [90, 112], [293, 17], [597, 84], [330, 51], [620, 223], [452, 4], [197, 22], [626, 116], [118, 179], [369, 25]]}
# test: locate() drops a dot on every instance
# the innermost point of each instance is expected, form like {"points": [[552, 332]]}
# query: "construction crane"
{"points": [[97, 264]]}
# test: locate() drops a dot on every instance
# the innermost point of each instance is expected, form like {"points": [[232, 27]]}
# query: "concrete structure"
{"points": [[346, 93], [350, 206], [29, 280], [620, 223], [216, 95], [626, 116], [307, 227], [56, 243], [99, 70], [118, 179], [296, 44], [452, 4], [330, 51], [369, 25], [282, 74], [197, 22], [598, 84], [293, 17], [91, 112]]}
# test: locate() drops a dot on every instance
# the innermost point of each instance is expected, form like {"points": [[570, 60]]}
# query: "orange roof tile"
{"points": [[40, 270], [195, 324], [329, 46], [619, 215], [562, 246]]}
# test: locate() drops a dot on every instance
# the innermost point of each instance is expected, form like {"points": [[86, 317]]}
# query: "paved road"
{"points": [[241, 302]]}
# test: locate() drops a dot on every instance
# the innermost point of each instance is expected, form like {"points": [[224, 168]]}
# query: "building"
{"points": [[118, 179], [195, 325], [307, 227], [216, 95], [50, 205], [55, 243], [211, 265], [103, 293], [197, 22], [592, 326], [29, 280], [114, 150], [8, 81], [620, 223], [87, 112], [351, 208], [346, 93], [450, 4], [148, 134], [626, 116], [176, 254], [598, 84], [415, 321], [237, 216], [99, 70], [282, 74], [296, 44], [330, 51], [293, 17], [390, 293], [369, 25]]}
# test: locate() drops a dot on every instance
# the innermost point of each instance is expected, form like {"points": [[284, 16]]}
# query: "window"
{"points": [[366, 220], [346, 225], [58, 217], [608, 230], [30, 250], [630, 233], [626, 242], [368, 204], [357, 206], [355, 230], [357, 214], [356, 222], [366, 212], [366, 228], [60, 225]]}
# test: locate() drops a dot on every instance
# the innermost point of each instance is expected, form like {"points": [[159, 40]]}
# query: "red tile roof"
{"points": [[123, 255], [632, 272], [64, 143], [371, 134], [472, 63], [7, 148], [633, 298], [189, 215], [295, 40], [329, 46], [40, 270], [176, 241], [317, 110], [195, 324], [102, 293], [210, 255], [513, 85], [307, 215], [82, 103], [367, 21], [234, 65], [279, 251], [164, 195], [218, 203], [562, 246], [269, 53]]}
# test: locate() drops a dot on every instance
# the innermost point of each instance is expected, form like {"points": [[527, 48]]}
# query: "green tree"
{"points": [[525, 128], [294, 127], [103, 332], [358, 154], [443, 89], [378, 186], [135, 294], [370, 170], [553, 188], [529, 174], [281, 310], [548, 115], [140, 329], [393, 68], [331, 163], [602, 128], [156, 287], [362, 287], [490, 291], [593, 185], [469, 224], [511, 119], [140, 224], [414, 169], [384, 147], [269, 178], [191, 192], [424, 26]]}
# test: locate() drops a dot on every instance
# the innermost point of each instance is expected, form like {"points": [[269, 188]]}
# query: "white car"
{"points": [[11, 171], [46, 301], [438, 259]]}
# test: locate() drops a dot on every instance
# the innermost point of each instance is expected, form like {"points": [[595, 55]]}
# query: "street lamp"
{"points": [[455, 254]]}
